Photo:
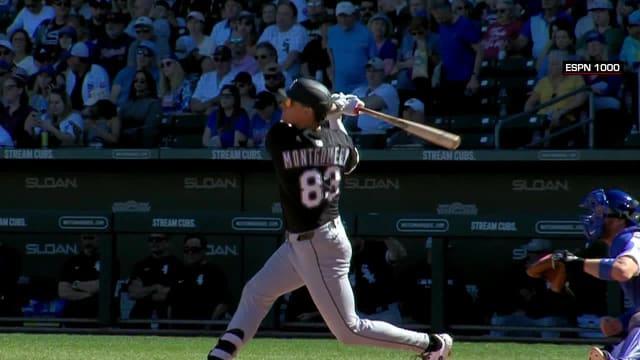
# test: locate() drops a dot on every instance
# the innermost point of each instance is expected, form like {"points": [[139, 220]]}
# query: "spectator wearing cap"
{"points": [[227, 125], [288, 37], [189, 56], [205, 96], [461, 52], [145, 61], [267, 58], [67, 36], [631, 45], [501, 34], [247, 91], [535, 31], [16, 109], [380, 26], [266, 114], [144, 30], [413, 110], [32, 14], [46, 34], [61, 122], [350, 46], [111, 49], [241, 59], [139, 8], [195, 26], [275, 81], [141, 114], [603, 16], [610, 124], [377, 95], [84, 78], [175, 89], [315, 62], [222, 30], [41, 86]]}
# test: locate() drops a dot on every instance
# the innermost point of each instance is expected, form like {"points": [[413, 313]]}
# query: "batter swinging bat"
{"points": [[433, 135]]}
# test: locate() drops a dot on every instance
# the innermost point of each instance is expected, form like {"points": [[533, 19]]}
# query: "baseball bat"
{"points": [[433, 135]]}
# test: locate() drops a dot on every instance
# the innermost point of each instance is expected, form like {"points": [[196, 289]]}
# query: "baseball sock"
{"points": [[227, 346], [434, 343]]}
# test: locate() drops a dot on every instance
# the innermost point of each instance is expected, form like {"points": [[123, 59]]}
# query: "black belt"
{"points": [[308, 235]]}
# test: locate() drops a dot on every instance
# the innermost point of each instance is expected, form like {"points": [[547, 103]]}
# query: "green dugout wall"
{"points": [[484, 204]]}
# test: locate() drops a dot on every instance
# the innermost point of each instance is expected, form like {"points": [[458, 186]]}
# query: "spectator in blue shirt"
{"points": [[535, 31], [266, 115], [228, 125], [461, 51], [351, 45]]}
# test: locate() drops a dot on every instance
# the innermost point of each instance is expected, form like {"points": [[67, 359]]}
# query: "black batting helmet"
{"points": [[313, 94]]}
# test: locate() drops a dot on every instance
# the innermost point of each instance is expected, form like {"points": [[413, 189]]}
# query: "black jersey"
{"points": [[309, 167]]}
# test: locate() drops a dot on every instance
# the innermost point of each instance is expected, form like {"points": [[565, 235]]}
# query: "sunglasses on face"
{"points": [[272, 77], [241, 85], [166, 64], [217, 59], [143, 52], [192, 249], [143, 31], [501, 11], [417, 33], [261, 57], [236, 40]]}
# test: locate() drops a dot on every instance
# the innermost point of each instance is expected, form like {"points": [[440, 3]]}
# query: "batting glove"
{"points": [[573, 262], [347, 104]]}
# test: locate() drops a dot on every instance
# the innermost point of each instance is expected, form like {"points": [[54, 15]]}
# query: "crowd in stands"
{"points": [[117, 73]]}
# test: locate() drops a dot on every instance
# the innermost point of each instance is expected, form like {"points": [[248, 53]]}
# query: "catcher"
{"points": [[612, 218]]}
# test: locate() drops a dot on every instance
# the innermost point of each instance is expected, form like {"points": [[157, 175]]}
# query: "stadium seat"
{"points": [[519, 84], [517, 66], [477, 141], [472, 122], [189, 123], [525, 122], [186, 141]]}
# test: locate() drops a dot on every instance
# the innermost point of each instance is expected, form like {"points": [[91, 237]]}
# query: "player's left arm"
{"points": [[622, 268]]}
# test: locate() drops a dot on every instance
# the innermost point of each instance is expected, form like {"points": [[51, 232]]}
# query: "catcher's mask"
{"points": [[601, 204]]}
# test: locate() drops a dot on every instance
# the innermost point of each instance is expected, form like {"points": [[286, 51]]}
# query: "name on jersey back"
{"points": [[315, 157]]}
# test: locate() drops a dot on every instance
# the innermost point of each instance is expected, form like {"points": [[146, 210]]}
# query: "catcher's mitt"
{"points": [[554, 273]]}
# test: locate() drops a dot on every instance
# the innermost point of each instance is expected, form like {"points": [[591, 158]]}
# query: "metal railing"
{"points": [[534, 110]]}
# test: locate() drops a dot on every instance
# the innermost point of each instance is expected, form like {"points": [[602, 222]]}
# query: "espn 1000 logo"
{"points": [[592, 68]]}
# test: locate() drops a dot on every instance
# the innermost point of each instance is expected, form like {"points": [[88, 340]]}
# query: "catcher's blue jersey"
{"points": [[627, 243]]}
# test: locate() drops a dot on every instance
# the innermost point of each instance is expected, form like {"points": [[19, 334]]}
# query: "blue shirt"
{"points": [[458, 56], [260, 127], [227, 136], [350, 50]]}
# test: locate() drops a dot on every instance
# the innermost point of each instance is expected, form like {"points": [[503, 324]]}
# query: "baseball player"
{"points": [[613, 219], [310, 162]]}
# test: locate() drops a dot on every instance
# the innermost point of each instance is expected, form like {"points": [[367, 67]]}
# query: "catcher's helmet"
{"points": [[601, 203]]}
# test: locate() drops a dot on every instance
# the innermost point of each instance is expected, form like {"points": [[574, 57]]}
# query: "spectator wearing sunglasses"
{"points": [[145, 61], [500, 35], [227, 125], [202, 293], [144, 30], [241, 60], [152, 279], [33, 13], [205, 96], [175, 89], [267, 57], [47, 32]]}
